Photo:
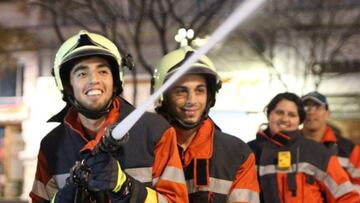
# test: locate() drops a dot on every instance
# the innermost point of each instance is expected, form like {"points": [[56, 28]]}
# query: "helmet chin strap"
{"points": [[187, 126], [91, 114]]}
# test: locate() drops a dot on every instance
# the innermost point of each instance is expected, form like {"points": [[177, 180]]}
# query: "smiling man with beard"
{"points": [[218, 167]]}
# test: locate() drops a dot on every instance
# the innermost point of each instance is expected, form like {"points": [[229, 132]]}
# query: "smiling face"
{"points": [[92, 82], [284, 117], [187, 98]]}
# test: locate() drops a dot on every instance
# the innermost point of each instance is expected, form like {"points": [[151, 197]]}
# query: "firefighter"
{"points": [[317, 129], [218, 167], [79, 161], [292, 168]]}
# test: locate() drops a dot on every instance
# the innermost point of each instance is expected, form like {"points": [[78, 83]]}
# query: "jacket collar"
{"points": [[59, 117], [281, 138], [201, 147], [329, 136], [72, 120]]}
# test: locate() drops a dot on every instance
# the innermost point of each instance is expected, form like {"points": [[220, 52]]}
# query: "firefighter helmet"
{"points": [[170, 63], [81, 45], [86, 44]]}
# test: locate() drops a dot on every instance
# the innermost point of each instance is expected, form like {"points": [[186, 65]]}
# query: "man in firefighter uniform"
{"points": [[317, 129], [218, 167], [79, 161], [292, 168]]}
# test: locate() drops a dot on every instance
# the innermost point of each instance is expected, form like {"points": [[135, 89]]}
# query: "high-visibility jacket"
{"points": [[294, 169], [347, 152], [219, 167], [149, 156]]}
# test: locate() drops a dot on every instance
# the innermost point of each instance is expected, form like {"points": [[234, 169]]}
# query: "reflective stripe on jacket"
{"points": [[313, 175], [150, 156], [219, 167], [347, 152]]}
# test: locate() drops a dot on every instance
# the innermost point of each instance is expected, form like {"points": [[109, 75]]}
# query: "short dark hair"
{"points": [[287, 96]]}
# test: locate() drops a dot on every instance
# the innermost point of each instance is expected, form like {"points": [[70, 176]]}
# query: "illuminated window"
{"points": [[11, 82]]}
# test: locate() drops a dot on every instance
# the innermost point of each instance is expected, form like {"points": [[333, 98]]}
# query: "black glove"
{"points": [[74, 189], [108, 143], [105, 173]]}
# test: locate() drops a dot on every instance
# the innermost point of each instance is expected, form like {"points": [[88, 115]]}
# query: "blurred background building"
{"points": [[288, 45]]}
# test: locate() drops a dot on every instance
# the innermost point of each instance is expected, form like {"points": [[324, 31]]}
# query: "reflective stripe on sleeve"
{"points": [[353, 171], [173, 174], [45, 191], [336, 190], [244, 195], [344, 161], [161, 198], [143, 175], [357, 188], [349, 167]]}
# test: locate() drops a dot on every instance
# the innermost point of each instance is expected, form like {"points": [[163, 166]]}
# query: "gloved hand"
{"points": [[105, 173], [73, 190]]}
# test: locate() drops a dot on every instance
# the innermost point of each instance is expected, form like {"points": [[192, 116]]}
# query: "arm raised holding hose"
{"points": [[88, 72], [81, 161]]}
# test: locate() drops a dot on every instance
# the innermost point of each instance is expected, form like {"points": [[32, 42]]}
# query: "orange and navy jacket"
{"points": [[314, 175], [150, 155], [219, 167], [347, 152]]}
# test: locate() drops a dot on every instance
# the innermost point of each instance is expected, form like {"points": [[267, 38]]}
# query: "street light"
{"points": [[183, 36]]}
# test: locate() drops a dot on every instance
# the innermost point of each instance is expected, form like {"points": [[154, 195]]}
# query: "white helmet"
{"points": [[170, 63], [81, 45]]}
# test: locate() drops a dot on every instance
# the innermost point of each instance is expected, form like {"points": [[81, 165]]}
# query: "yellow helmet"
{"points": [[173, 60], [86, 44]]}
